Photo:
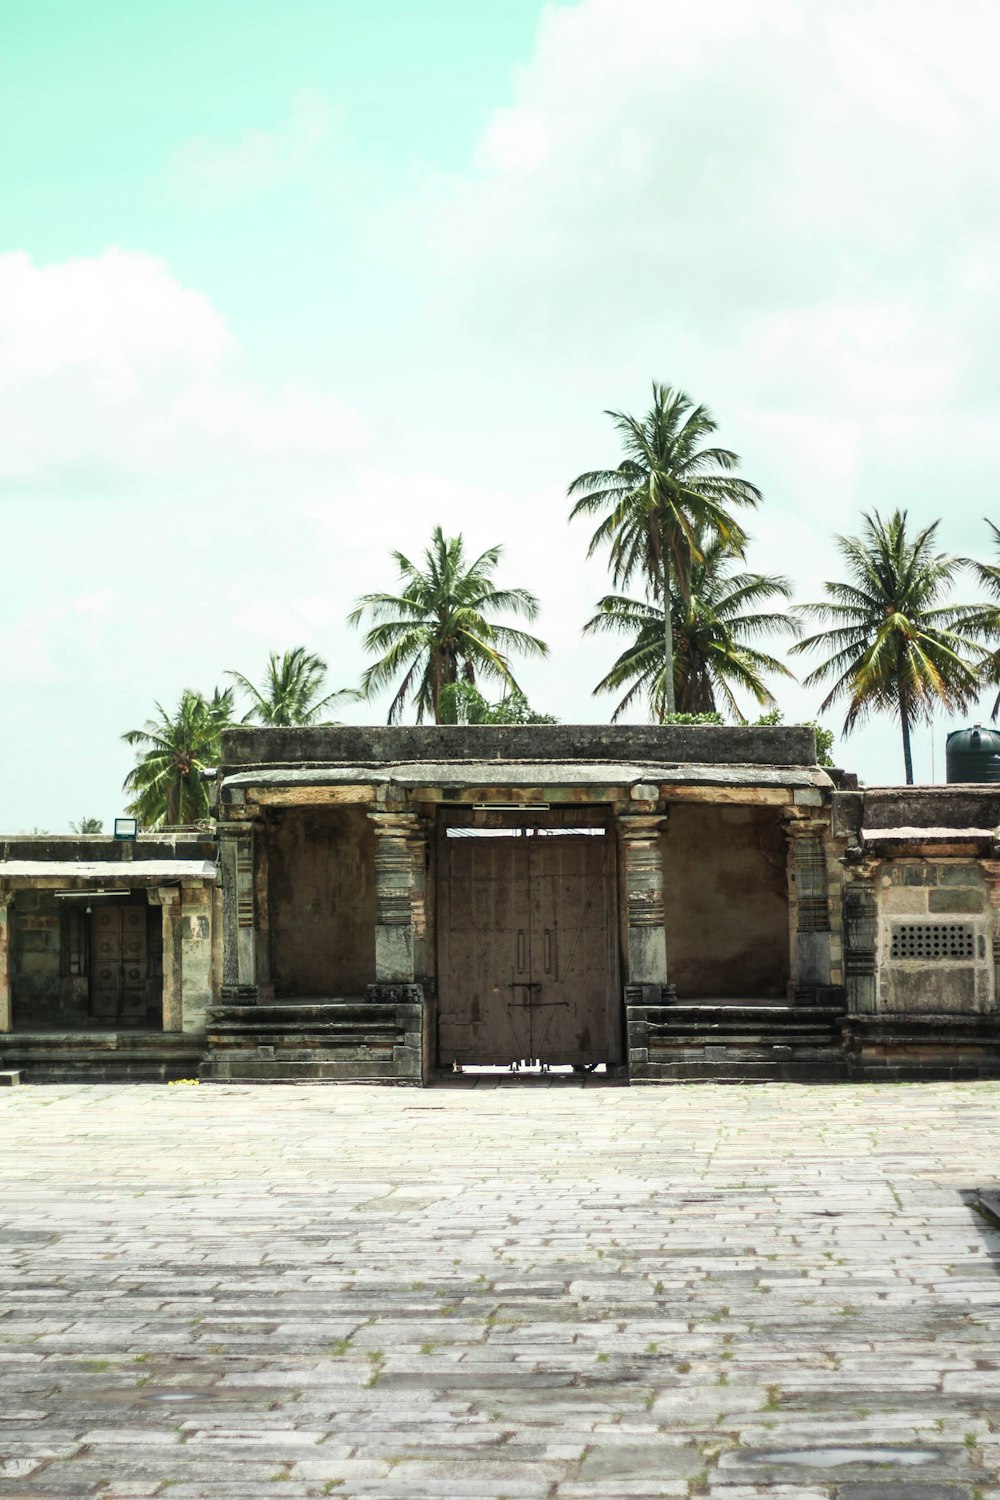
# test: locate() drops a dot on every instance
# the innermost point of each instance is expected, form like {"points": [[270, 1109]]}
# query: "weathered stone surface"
{"points": [[550, 1290], [708, 743]]}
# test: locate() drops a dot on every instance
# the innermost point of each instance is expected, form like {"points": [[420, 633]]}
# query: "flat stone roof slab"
{"points": [[135, 869], [468, 774]]}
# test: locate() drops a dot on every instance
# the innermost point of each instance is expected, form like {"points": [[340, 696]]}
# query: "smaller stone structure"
{"points": [[108, 954], [922, 925]]}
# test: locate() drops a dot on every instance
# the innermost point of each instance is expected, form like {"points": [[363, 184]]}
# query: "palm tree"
{"points": [[436, 631], [88, 825], [988, 622], [667, 491], [714, 629], [288, 694], [167, 783], [895, 648]]}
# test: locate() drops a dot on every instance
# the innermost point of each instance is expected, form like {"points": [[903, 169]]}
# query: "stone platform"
{"points": [[560, 1291]]}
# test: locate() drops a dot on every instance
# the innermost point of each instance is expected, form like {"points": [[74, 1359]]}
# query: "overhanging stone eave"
{"points": [[93, 872], [469, 775], [929, 842]]}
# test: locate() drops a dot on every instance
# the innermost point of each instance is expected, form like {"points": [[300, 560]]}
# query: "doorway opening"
{"points": [[527, 943]]}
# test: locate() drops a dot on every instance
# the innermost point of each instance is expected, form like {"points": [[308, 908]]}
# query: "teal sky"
{"points": [[282, 286]]}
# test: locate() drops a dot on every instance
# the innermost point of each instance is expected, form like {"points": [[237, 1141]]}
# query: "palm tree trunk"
{"points": [[668, 635], [904, 719]]}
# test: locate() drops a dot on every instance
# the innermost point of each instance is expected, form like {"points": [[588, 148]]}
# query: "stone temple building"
{"points": [[652, 904]]}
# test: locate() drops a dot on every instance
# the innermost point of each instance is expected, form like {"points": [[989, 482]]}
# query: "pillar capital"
{"points": [[397, 825], [164, 895], [639, 827]]}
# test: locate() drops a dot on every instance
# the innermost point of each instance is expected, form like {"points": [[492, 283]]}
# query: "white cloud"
{"points": [[111, 368], [671, 173], [209, 174]]}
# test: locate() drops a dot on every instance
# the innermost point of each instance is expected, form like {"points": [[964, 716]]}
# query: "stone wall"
{"points": [[706, 744], [321, 896], [725, 891], [35, 962], [935, 938]]}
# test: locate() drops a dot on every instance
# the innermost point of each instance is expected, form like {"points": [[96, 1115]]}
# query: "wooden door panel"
{"points": [[572, 944], [526, 957], [120, 963], [483, 952], [105, 984], [134, 963]]}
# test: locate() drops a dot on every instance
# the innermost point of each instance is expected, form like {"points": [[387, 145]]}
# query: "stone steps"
{"points": [[313, 1040], [102, 1056], [827, 1068], [737, 1042]]}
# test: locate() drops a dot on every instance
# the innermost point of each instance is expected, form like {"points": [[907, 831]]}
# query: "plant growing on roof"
{"points": [[440, 628]]}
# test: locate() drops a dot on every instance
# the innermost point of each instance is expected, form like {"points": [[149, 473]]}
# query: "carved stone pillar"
{"points": [[643, 868], [417, 840], [397, 836], [809, 905], [861, 944], [196, 955], [991, 868], [6, 1007], [239, 934], [168, 899]]}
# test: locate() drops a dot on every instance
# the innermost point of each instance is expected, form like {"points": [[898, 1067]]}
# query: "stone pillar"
{"points": [[417, 840], [6, 1006], [397, 836], [861, 943], [643, 869], [991, 868], [809, 905], [168, 898], [196, 955], [239, 937]]}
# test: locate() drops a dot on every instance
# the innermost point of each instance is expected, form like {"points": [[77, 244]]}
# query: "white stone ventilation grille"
{"points": [[933, 940]]}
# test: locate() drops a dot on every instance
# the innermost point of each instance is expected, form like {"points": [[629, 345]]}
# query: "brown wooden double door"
{"points": [[119, 963], [526, 955]]}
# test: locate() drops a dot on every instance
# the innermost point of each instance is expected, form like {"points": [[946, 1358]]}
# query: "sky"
{"points": [[286, 283]]}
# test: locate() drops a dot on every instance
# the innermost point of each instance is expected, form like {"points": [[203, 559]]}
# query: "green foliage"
{"points": [[437, 631], [167, 784], [712, 717], [289, 693], [987, 621], [824, 737], [666, 495], [894, 646], [88, 825], [463, 703], [824, 744], [714, 631]]}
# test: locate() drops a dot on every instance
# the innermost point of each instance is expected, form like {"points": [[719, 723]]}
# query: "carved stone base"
{"points": [[394, 992], [239, 994]]}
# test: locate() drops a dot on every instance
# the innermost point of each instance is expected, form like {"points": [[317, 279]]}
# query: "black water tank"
{"points": [[973, 754]]}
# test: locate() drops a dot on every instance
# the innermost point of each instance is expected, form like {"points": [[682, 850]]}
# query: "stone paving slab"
{"points": [[557, 1292]]}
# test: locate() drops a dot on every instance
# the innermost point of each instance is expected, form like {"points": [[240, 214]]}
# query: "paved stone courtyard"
{"points": [[570, 1290]]}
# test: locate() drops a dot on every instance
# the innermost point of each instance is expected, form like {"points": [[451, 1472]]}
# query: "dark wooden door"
{"points": [[570, 887], [119, 963], [525, 966]]}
